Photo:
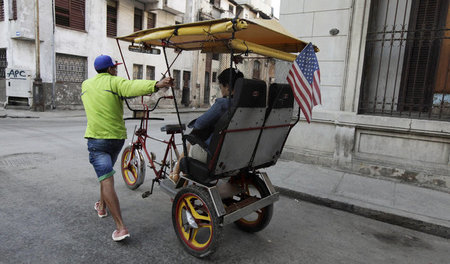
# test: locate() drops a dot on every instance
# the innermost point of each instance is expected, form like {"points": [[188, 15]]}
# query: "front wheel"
{"points": [[133, 172], [196, 222]]}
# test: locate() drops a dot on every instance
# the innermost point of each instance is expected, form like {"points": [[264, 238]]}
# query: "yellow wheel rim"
{"points": [[196, 238], [130, 175]]}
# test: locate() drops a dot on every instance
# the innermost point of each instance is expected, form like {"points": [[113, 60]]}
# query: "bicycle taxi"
{"points": [[231, 186]]}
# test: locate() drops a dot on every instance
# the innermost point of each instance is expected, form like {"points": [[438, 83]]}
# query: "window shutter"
{"points": [[13, 10], [62, 12], [151, 20], [111, 21], [137, 19], [77, 14]]}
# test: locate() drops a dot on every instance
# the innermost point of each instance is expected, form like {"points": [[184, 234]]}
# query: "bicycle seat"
{"points": [[173, 128]]}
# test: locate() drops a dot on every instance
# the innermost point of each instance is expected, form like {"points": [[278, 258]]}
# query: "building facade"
{"points": [[73, 32], [385, 87], [208, 66]]}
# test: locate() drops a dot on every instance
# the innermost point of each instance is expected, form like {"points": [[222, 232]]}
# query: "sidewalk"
{"points": [[26, 113], [397, 203]]}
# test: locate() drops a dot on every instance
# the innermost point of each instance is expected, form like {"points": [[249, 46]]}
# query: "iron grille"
{"points": [[3, 63], [177, 78], [137, 72], [2, 11], [70, 69], [406, 41], [150, 73]]}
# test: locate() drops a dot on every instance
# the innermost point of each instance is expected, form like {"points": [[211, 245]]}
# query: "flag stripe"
{"points": [[300, 86], [304, 79], [316, 90], [299, 99], [304, 83]]}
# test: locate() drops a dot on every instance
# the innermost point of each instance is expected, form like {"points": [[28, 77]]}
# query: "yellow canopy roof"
{"points": [[261, 36]]}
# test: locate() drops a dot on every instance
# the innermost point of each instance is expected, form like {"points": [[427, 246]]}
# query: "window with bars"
{"points": [[150, 73], [151, 20], [2, 11], [215, 3], [207, 88], [137, 72], [111, 18], [70, 13], [406, 62], [231, 8], [177, 79], [3, 63], [256, 69], [70, 68], [137, 19]]}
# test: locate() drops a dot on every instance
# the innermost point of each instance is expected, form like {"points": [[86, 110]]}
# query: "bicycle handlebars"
{"points": [[142, 113]]}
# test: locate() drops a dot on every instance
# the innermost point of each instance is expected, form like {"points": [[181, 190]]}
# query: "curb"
{"points": [[407, 222]]}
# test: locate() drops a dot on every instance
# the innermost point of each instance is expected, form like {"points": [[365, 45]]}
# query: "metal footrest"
{"points": [[241, 204], [168, 187], [238, 214]]}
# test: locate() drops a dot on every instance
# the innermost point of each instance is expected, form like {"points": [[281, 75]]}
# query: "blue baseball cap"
{"points": [[103, 62]]}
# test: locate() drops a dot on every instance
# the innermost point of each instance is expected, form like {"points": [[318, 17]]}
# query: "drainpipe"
{"points": [[38, 93], [53, 106]]}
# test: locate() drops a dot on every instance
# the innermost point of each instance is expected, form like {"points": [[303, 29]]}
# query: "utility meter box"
{"points": [[18, 86]]}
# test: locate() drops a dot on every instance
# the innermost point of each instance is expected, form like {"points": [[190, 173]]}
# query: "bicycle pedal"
{"points": [[146, 194]]}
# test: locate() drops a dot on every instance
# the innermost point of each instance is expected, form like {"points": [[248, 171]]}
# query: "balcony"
{"points": [[176, 7], [256, 5]]}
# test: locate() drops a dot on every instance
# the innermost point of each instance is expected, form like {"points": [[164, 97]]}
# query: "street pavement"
{"points": [[414, 207], [48, 189]]}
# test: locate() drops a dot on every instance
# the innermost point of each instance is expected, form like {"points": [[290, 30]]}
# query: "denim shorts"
{"points": [[103, 154]]}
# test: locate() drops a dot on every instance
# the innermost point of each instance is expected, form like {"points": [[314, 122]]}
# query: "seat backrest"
{"points": [[276, 126], [236, 134]]}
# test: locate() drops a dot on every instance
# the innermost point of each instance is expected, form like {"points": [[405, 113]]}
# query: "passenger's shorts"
{"points": [[198, 153], [103, 154]]}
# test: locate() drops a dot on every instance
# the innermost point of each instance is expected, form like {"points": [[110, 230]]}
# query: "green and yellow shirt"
{"points": [[102, 98]]}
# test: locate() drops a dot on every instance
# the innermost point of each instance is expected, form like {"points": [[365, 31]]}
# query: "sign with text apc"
{"points": [[18, 82]]}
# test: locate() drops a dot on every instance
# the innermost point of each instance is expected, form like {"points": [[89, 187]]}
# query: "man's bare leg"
{"points": [[109, 196]]}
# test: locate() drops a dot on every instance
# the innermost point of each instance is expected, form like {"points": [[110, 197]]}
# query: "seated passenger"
{"points": [[203, 126]]}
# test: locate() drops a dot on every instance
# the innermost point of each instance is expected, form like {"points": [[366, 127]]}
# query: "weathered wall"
{"points": [[89, 43], [416, 151], [2, 91]]}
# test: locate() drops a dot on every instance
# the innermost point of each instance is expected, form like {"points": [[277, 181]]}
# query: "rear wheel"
{"points": [[258, 220], [133, 172], [196, 222]]}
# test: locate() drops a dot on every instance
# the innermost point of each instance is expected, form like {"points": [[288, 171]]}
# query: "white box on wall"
{"points": [[18, 84]]}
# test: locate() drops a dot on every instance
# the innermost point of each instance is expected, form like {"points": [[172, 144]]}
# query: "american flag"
{"points": [[304, 78]]}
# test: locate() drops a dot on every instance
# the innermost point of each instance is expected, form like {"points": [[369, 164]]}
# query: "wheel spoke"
{"points": [[192, 234], [205, 225], [194, 213]]}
